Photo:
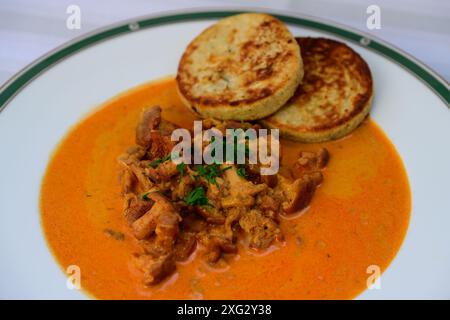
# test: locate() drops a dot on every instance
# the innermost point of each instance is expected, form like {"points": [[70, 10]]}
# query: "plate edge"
{"points": [[415, 67]]}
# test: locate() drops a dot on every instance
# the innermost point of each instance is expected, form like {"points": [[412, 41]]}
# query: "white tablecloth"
{"points": [[29, 29]]}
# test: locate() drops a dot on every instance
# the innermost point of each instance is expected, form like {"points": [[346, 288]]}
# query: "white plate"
{"points": [[40, 104]]}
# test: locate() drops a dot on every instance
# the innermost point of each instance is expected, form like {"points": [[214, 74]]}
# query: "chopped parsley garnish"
{"points": [[210, 172], [157, 162], [197, 197], [201, 170], [180, 169], [145, 197], [240, 170]]}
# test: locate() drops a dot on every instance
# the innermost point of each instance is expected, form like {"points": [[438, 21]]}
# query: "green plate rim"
{"points": [[21, 79]]}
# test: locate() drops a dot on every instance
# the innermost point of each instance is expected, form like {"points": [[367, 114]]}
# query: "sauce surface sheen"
{"points": [[357, 218]]}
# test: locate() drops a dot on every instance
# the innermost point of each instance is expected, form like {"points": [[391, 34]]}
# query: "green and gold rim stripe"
{"points": [[20, 80]]}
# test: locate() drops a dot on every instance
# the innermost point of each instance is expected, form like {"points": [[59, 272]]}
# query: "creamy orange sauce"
{"points": [[358, 217]]}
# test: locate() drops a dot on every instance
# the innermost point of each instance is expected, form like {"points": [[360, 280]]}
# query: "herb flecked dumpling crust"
{"points": [[244, 67]]}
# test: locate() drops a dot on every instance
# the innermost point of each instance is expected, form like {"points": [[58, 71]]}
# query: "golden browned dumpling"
{"points": [[244, 67], [334, 98]]}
